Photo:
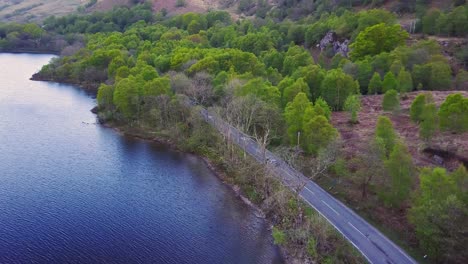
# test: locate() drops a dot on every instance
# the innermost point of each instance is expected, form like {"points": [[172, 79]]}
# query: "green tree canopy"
{"points": [[336, 87], [105, 96], [377, 39], [439, 214], [127, 97], [417, 107], [390, 83], [294, 116], [400, 168], [318, 134], [405, 80], [157, 86], [261, 88], [430, 122], [384, 130], [453, 113], [391, 101], [291, 91], [353, 106], [322, 108], [375, 84], [441, 76]]}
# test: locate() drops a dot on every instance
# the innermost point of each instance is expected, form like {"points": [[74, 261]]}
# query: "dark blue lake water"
{"points": [[72, 191]]}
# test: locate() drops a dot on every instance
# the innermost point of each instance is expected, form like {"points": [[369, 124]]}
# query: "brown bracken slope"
{"points": [[357, 137]]}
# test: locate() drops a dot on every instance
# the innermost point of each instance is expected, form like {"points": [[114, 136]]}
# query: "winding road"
{"points": [[372, 244]]}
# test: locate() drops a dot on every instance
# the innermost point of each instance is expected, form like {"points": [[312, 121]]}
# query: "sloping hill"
{"points": [[33, 10]]}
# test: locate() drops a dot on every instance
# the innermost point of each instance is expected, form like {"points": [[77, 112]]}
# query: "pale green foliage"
{"points": [[294, 115], [375, 84], [353, 106], [318, 133], [384, 130], [430, 122], [453, 113], [290, 92], [313, 75], [396, 67], [296, 57], [377, 39], [312, 247], [279, 236], [126, 97], [405, 80], [461, 81], [400, 169], [390, 83], [105, 96], [262, 89], [157, 86], [336, 87], [391, 101], [322, 108], [441, 76], [439, 214], [418, 105]]}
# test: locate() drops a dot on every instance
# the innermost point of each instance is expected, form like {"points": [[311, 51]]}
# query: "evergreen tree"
{"points": [[127, 97], [390, 82], [417, 108], [322, 108], [405, 81], [396, 67], [353, 106], [384, 131], [453, 113], [290, 92], [377, 39], [400, 169], [375, 84], [391, 101], [294, 116], [318, 134], [336, 87], [429, 122], [461, 81], [441, 76], [105, 96], [439, 214]]}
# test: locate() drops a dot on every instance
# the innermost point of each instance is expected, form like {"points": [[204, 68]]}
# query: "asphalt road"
{"points": [[372, 244]]}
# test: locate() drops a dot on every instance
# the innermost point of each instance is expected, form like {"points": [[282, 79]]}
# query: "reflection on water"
{"points": [[72, 191]]}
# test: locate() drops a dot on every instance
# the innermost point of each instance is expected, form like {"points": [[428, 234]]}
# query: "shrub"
{"points": [[279, 236], [453, 113], [390, 101]]}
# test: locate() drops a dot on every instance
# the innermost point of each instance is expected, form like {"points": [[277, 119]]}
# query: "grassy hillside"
{"points": [[33, 10]]}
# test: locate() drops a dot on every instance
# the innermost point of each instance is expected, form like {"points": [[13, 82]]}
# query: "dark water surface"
{"points": [[72, 191]]}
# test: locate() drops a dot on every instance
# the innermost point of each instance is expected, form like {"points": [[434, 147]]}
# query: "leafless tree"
{"points": [[200, 88], [326, 158], [179, 82]]}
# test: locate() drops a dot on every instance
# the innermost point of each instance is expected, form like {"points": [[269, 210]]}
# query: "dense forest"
{"points": [[278, 79]]}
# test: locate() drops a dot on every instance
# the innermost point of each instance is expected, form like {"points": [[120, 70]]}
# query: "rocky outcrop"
{"points": [[331, 39]]}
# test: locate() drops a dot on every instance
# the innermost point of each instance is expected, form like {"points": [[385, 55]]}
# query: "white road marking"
{"points": [[339, 230], [330, 207], [309, 190], [357, 229]]}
